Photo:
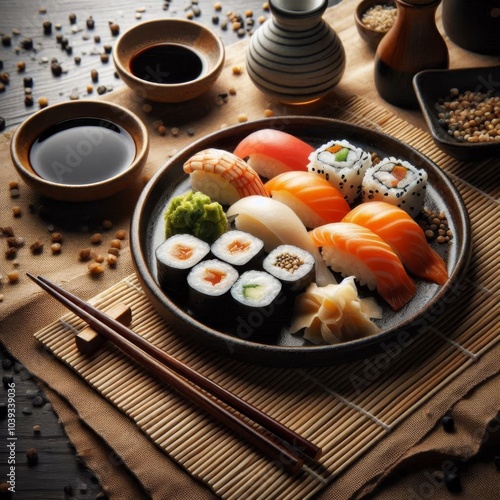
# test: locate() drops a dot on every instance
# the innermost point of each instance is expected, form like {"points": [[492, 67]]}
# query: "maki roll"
{"points": [[292, 266], [239, 248], [260, 305], [343, 165], [396, 182], [209, 283], [175, 257]]}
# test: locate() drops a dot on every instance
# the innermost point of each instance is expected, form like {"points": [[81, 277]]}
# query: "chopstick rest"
{"points": [[88, 340], [217, 401]]}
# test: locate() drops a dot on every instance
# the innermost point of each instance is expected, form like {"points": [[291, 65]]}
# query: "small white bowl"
{"points": [[195, 39], [64, 189]]}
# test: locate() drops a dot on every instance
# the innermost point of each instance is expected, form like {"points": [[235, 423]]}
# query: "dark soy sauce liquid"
{"points": [[167, 63], [82, 151]]}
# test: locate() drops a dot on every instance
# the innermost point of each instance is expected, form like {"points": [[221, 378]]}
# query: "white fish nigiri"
{"points": [[276, 224]]}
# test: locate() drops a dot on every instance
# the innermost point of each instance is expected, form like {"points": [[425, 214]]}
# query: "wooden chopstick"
{"points": [[169, 368]]}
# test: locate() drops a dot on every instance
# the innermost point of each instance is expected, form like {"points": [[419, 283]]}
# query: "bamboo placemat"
{"points": [[345, 409]]}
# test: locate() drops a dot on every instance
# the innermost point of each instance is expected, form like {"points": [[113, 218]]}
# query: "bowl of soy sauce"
{"points": [[169, 60], [80, 151]]}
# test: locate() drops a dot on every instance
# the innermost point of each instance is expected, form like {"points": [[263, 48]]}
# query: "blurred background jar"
{"points": [[413, 44], [473, 25]]}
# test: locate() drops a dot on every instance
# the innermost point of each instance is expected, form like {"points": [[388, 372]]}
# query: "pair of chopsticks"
{"points": [[194, 386]]}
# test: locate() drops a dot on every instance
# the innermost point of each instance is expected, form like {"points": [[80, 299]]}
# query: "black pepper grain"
{"points": [[56, 69], [28, 81], [47, 28], [6, 41], [27, 44], [32, 456], [448, 423], [72, 18], [452, 482], [90, 23]]}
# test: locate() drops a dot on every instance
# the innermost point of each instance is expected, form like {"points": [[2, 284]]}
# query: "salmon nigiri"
{"points": [[270, 152], [404, 235], [310, 196], [223, 176], [354, 250]]}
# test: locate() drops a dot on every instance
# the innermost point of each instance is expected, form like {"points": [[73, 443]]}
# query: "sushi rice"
{"points": [[397, 182], [341, 164]]}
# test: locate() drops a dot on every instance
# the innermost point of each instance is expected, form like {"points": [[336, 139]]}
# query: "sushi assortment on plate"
{"points": [[316, 239]]}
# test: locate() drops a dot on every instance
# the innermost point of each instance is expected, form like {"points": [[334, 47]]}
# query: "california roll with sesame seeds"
{"points": [[343, 165], [397, 182]]}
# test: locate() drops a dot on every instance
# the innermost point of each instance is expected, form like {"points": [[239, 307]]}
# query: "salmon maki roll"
{"points": [[271, 152], [404, 235], [354, 250], [310, 196]]}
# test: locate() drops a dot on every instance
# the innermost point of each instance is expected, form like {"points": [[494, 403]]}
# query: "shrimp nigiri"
{"points": [[276, 224], [312, 198], [223, 176], [354, 250], [405, 237], [271, 152]]}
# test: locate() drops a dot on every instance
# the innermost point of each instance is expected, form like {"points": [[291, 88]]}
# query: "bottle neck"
{"points": [[297, 12]]}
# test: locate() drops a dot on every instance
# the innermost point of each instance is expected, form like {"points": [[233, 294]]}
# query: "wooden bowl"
{"points": [[434, 85], [62, 185], [370, 36], [158, 83]]}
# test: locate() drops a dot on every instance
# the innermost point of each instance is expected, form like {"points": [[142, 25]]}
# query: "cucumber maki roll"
{"points": [[260, 305], [397, 182], [174, 259], [341, 164]]}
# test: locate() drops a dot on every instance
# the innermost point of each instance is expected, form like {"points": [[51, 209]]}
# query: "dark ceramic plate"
{"points": [[434, 84], [283, 349]]}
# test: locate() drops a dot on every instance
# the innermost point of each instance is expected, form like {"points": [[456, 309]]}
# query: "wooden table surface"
{"points": [[60, 474]]}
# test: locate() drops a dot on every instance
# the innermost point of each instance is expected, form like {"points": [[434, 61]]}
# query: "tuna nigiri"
{"points": [[271, 152], [223, 176], [354, 250], [276, 224], [312, 198], [405, 237]]}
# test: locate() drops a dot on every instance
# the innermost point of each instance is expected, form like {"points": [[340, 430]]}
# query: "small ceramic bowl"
{"points": [[169, 60], [371, 36], [432, 86], [74, 170]]}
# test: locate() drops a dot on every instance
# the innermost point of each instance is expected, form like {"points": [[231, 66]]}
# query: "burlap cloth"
{"points": [[125, 460]]}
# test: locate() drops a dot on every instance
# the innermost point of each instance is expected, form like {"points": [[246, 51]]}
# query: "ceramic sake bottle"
{"points": [[413, 44], [295, 56]]}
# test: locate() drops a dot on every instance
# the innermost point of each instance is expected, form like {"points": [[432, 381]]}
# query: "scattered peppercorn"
{"points": [[17, 211], [36, 248], [95, 268], [90, 23], [85, 254], [56, 69], [452, 482], [448, 423], [47, 28], [6, 40], [27, 44], [13, 277], [55, 248], [104, 58], [96, 239], [121, 234], [43, 102], [106, 224], [32, 456], [94, 75], [37, 429], [21, 66], [114, 28], [28, 100]]}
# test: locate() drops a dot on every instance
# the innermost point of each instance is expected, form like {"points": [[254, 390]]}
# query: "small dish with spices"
{"points": [[80, 151], [169, 60], [373, 20], [462, 110]]}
